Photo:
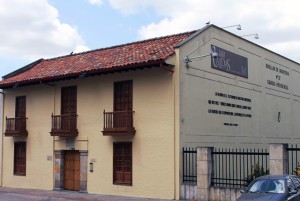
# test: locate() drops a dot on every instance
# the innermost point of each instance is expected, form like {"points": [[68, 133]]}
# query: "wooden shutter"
{"points": [[122, 163], [20, 110], [20, 158], [69, 100], [123, 96], [68, 107]]}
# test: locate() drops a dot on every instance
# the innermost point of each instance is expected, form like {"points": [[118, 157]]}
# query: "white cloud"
{"points": [[31, 29], [95, 2], [81, 48], [276, 21]]}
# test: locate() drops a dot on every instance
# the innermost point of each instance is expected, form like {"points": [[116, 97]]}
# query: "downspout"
{"points": [[2, 136], [176, 74], [53, 146], [174, 139]]}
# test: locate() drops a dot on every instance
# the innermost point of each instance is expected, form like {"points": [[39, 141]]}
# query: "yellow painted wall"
{"points": [[1, 125], [39, 106], [152, 145]]}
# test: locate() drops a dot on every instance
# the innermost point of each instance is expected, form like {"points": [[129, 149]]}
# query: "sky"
{"points": [[34, 29]]}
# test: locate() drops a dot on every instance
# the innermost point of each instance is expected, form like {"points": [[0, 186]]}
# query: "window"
{"points": [[20, 106], [122, 163], [20, 158]]}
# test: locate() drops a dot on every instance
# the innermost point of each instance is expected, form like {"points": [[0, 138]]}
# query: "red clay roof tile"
{"points": [[125, 56]]}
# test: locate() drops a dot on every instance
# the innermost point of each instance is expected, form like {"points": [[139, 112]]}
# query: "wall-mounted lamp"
{"points": [[255, 35], [187, 59], [238, 27]]}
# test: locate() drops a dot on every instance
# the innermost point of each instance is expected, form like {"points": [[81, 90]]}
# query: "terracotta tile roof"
{"points": [[131, 55]]}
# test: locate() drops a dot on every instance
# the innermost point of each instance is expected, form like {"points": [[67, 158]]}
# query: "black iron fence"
{"points": [[231, 167], [189, 167], [237, 167], [294, 159]]}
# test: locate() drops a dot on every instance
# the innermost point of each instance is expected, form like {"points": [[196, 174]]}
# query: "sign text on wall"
{"points": [[229, 62], [279, 74]]}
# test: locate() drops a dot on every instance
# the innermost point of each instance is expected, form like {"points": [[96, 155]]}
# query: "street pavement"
{"points": [[17, 194]]}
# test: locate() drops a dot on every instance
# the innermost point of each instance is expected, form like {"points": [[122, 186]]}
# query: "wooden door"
{"points": [[68, 107], [72, 170], [123, 96], [20, 113], [123, 104]]}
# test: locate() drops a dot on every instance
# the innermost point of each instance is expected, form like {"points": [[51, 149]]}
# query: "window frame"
{"points": [[125, 153], [19, 161]]}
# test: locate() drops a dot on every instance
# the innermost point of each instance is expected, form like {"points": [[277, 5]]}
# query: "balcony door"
{"points": [[20, 113], [68, 107], [123, 104]]}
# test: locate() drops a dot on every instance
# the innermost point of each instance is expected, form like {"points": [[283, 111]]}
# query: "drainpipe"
{"points": [[2, 136], [175, 96], [53, 146], [174, 140]]}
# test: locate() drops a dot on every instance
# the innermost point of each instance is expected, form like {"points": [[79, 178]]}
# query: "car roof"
{"points": [[284, 176]]}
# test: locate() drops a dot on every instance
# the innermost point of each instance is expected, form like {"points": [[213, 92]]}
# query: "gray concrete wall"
{"points": [[270, 96]]}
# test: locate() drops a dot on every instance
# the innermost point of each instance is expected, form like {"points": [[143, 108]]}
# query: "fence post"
{"points": [[278, 159], [204, 171]]}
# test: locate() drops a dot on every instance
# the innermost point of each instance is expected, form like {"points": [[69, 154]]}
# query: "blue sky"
{"points": [[34, 29]]}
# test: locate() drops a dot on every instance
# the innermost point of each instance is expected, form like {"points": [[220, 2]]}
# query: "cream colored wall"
{"points": [[1, 126], [39, 144], [152, 145], [200, 83]]}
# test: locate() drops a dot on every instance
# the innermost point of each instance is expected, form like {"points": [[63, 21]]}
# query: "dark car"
{"points": [[272, 188]]}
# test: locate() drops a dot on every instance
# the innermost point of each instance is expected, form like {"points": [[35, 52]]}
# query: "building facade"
{"points": [[114, 120], [1, 124]]}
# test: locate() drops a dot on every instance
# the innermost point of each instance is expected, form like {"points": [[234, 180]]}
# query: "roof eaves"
{"points": [[23, 69], [77, 74], [192, 36]]}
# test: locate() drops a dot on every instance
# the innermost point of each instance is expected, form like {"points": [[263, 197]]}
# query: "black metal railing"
{"points": [[236, 168], [294, 159], [189, 165]]}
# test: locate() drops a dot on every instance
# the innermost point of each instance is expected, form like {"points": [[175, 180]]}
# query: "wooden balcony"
{"points": [[119, 123], [64, 125], [16, 127]]}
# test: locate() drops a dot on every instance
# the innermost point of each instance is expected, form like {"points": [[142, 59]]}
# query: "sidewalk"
{"points": [[18, 194]]}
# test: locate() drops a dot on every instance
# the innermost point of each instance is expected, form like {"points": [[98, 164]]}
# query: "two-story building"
{"points": [[114, 120]]}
